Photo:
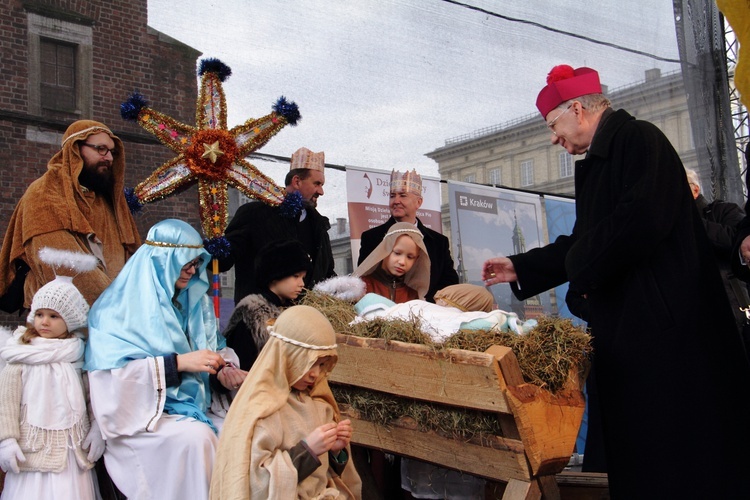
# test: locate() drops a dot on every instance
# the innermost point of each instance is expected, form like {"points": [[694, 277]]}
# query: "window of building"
{"points": [[566, 165], [225, 280], [470, 178], [494, 176], [60, 67], [527, 173], [58, 75]]}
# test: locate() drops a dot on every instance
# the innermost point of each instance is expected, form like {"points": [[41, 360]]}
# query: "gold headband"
{"points": [[80, 134], [304, 345], [415, 231], [170, 245]]}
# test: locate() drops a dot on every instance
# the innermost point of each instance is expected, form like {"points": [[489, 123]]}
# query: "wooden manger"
{"points": [[539, 429]]}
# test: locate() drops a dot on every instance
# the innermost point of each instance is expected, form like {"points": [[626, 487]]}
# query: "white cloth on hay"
{"points": [[439, 322]]}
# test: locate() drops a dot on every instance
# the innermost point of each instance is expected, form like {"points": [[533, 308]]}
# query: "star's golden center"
{"points": [[211, 153]]}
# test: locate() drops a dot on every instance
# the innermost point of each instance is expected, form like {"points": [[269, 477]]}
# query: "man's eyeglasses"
{"points": [[193, 264], [101, 149], [551, 124]]}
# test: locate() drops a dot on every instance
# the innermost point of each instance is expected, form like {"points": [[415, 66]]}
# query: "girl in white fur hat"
{"points": [[48, 443]]}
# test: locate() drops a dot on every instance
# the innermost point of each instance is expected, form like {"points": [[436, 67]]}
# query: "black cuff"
{"points": [[171, 375], [303, 460], [216, 385]]}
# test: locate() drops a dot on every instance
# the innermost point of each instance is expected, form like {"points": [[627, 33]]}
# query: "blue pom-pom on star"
{"points": [[213, 65], [288, 110], [218, 246], [129, 109], [291, 206], [134, 204]]}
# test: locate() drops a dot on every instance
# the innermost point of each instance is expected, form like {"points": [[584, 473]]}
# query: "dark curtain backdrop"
{"points": [[700, 38]]}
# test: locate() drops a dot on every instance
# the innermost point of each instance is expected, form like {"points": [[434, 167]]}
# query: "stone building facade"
{"points": [[518, 154]]}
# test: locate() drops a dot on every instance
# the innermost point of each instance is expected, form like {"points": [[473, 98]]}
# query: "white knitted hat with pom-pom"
{"points": [[61, 296]]}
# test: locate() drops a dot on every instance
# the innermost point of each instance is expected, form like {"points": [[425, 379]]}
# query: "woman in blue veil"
{"points": [[154, 356]]}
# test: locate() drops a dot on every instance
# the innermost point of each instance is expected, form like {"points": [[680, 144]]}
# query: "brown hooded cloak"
{"points": [[57, 212], [267, 418]]}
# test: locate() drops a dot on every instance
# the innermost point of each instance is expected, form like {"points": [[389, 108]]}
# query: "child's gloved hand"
{"points": [[94, 442], [10, 455]]}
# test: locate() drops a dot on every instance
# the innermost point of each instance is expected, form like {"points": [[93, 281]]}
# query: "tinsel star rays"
{"points": [[211, 111], [208, 153]]}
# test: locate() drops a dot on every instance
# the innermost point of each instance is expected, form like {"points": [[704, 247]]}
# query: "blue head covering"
{"points": [[136, 318]]}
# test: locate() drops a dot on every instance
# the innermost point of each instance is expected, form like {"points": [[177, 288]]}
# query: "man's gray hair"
{"points": [[693, 178], [590, 102]]}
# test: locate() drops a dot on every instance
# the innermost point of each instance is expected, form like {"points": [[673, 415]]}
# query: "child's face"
{"points": [[403, 256], [309, 379], [290, 287], [49, 324]]}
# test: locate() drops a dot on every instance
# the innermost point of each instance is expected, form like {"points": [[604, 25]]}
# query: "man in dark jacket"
{"points": [[721, 218], [255, 224], [406, 198], [668, 359]]}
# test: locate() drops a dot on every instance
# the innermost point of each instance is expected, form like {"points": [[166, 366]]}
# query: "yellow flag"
{"points": [[737, 13]]}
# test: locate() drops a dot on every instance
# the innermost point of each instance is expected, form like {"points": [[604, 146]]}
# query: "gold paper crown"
{"points": [[408, 182], [304, 158]]}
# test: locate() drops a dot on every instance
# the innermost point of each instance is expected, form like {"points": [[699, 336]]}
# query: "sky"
{"points": [[380, 83]]}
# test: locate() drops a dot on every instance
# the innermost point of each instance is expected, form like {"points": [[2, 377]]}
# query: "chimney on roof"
{"points": [[653, 74]]}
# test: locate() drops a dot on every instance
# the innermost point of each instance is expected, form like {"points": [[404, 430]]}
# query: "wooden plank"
{"points": [[508, 365], [484, 461], [548, 425], [548, 487], [454, 377], [522, 490], [456, 355]]}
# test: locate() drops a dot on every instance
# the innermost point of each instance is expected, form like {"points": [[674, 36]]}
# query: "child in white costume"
{"points": [[283, 436], [48, 443]]}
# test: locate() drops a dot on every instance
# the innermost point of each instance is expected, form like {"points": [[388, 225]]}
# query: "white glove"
{"points": [[10, 455], [94, 442]]}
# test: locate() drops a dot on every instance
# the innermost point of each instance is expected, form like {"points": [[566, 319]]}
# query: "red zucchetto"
{"points": [[564, 83]]}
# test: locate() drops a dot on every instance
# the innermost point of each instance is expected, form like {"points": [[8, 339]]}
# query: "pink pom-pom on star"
{"points": [[560, 72]]}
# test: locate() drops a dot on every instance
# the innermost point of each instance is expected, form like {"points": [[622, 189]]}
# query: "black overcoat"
{"points": [[442, 272], [256, 224], [672, 377]]}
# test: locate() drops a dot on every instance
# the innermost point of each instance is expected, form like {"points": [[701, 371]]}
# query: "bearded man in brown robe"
{"points": [[78, 205]]}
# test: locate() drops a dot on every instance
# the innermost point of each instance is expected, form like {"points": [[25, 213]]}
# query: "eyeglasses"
{"points": [[101, 149], [193, 264], [551, 124]]}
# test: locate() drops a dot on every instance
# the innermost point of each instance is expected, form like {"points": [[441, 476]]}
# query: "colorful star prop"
{"points": [[208, 153]]}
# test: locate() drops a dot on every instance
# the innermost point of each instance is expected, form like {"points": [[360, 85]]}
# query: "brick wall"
{"points": [[126, 55]]}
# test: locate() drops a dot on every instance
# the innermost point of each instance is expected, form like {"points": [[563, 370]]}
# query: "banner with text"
{"points": [[489, 222], [368, 194]]}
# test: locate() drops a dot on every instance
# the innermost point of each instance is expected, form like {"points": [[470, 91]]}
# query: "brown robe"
{"points": [[57, 212]]}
